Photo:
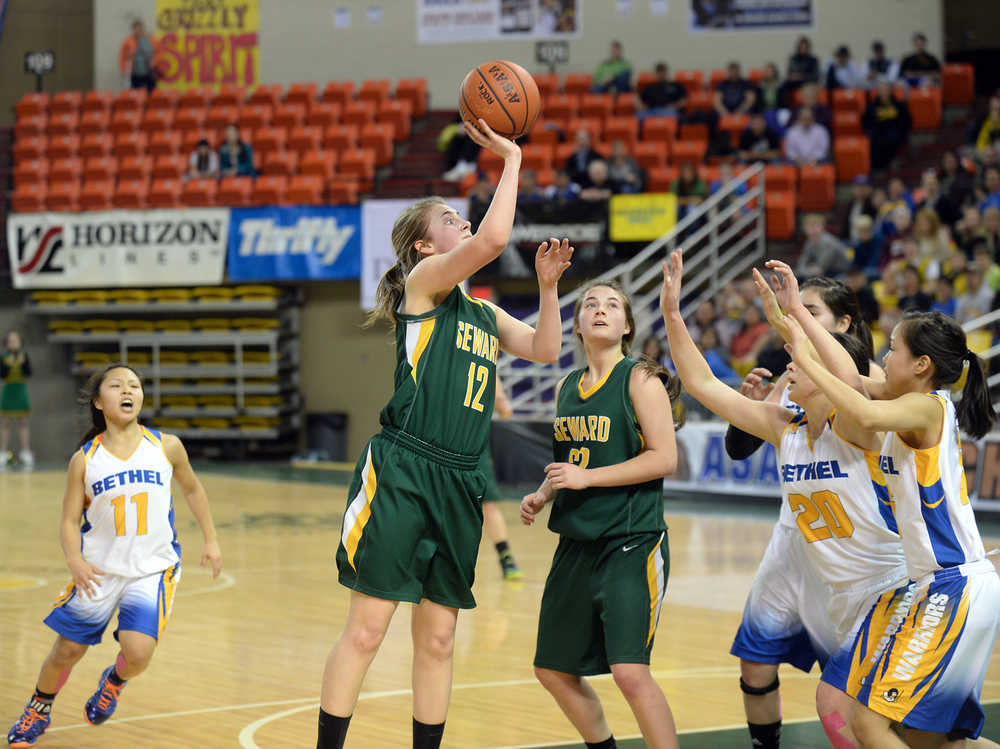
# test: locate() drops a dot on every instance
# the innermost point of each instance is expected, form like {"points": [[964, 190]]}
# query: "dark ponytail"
{"points": [[942, 340], [88, 395]]}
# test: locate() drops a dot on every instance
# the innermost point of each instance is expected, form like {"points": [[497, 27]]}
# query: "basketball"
{"points": [[502, 93]]}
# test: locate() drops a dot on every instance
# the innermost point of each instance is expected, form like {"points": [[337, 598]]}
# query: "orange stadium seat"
{"points": [[64, 124], [375, 90], [164, 142], [644, 78], [190, 118], [63, 196], [32, 148], [96, 144], [692, 80], [652, 154], [816, 187], [342, 192], [700, 100], [323, 114], [548, 83], [131, 193], [191, 138], [128, 144], [661, 179], [135, 167], [716, 77], [734, 124], [399, 114], [255, 116], [234, 191], [195, 98], [125, 121], [156, 120], [130, 100], [31, 170], [302, 93], [269, 190], [561, 107], [100, 168], [925, 108], [57, 147], [592, 125], [164, 193], [413, 90], [537, 156], [625, 105], [280, 163], [338, 92], [846, 122], [959, 83], [781, 178], [228, 96], [340, 137], [30, 127], [577, 84], [659, 128], [170, 166], [779, 212], [65, 101], [544, 132], [97, 195], [688, 151], [598, 106], [693, 131], [268, 94], [219, 117], [162, 98], [289, 116], [320, 164], [358, 113], [603, 147], [755, 75], [489, 161], [849, 100], [304, 189], [29, 197], [32, 105], [622, 128], [852, 156], [200, 192], [545, 177], [822, 96], [302, 139], [709, 174], [378, 137], [97, 100], [93, 121], [268, 139], [66, 170], [358, 164]]}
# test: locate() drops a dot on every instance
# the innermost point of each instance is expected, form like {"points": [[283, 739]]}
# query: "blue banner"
{"points": [[304, 243]]}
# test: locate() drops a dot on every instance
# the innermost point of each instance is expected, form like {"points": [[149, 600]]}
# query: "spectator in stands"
{"points": [[751, 338], [625, 170], [725, 175], [843, 72], [986, 130], [480, 197], [929, 196], [861, 205], [823, 254], [599, 184], [977, 299], [715, 355], [689, 188], [932, 238], [896, 229], [920, 68], [235, 155], [613, 75], [527, 189], [880, 68], [769, 89], [203, 163], [887, 123], [860, 284], [989, 232], [807, 142], [704, 317], [461, 153], [867, 246], [967, 229], [809, 95], [663, 97], [912, 297], [956, 181], [989, 194], [654, 348], [954, 267], [137, 58], [734, 94], [581, 157], [944, 297], [985, 260], [987, 157], [803, 67], [564, 190], [895, 197], [759, 142]]}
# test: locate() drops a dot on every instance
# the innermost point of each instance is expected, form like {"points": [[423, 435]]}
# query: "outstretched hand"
{"points": [[551, 260], [772, 311], [786, 287], [482, 135], [670, 292], [753, 385]]}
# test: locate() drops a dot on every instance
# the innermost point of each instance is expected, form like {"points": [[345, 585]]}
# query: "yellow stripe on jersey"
{"points": [[867, 649], [360, 510], [423, 338], [584, 394], [64, 597], [168, 586], [654, 579], [928, 465], [472, 298], [151, 437], [93, 447]]}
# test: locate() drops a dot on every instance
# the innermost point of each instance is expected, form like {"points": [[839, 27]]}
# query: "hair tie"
{"points": [[959, 384]]}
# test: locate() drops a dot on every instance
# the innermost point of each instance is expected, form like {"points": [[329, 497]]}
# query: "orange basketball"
{"points": [[502, 93]]}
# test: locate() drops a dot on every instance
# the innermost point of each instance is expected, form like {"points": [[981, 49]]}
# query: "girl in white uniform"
{"points": [[920, 656], [117, 533]]}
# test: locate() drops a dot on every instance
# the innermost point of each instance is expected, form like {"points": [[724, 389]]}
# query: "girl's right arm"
{"points": [[437, 273], [86, 576], [765, 420]]}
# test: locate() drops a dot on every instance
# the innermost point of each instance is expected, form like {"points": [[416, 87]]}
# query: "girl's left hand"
{"points": [[772, 310], [551, 260], [566, 476], [212, 554], [670, 293], [786, 287]]}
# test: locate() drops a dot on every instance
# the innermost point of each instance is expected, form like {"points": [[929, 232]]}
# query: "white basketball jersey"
{"points": [[128, 517], [831, 489], [932, 501], [785, 515]]}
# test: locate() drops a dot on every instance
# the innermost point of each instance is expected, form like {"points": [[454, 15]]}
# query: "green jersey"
{"points": [[446, 375], [597, 428]]}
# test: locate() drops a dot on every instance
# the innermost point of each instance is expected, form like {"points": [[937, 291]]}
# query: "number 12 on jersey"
{"points": [[481, 375]]}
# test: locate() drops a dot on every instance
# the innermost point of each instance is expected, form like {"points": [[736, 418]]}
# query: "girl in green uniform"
{"points": [[414, 517], [15, 405], [613, 440]]}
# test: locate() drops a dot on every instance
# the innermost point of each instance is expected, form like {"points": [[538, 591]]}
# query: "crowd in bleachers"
{"points": [[160, 148]]}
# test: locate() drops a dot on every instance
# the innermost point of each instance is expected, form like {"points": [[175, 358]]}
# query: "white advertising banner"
{"points": [[118, 248], [463, 21], [377, 255]]}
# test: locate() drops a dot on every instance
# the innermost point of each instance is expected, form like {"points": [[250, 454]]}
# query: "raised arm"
{"points": [[437, 273], [197, 500], [542, 343], [86, 576], [765, 420]]}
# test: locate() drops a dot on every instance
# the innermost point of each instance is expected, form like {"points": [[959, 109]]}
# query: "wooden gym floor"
{"points": [[241, 662]]}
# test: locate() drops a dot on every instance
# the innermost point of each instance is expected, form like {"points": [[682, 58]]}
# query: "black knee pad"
{"points": [[757, 691]]}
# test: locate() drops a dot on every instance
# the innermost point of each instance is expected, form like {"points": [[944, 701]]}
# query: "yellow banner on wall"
{"points": [[207, 43], [643, 217]]}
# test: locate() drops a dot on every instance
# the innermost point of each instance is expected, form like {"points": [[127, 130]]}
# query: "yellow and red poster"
{"points": [[207, 43]]}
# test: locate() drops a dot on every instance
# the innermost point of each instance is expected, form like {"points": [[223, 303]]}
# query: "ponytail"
{"points": [[89, 393], [975, 410], [671, 382], [387, 295]]}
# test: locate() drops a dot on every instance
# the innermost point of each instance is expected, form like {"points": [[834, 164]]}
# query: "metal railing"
{"points": [[989, 319], [722, 237]]}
